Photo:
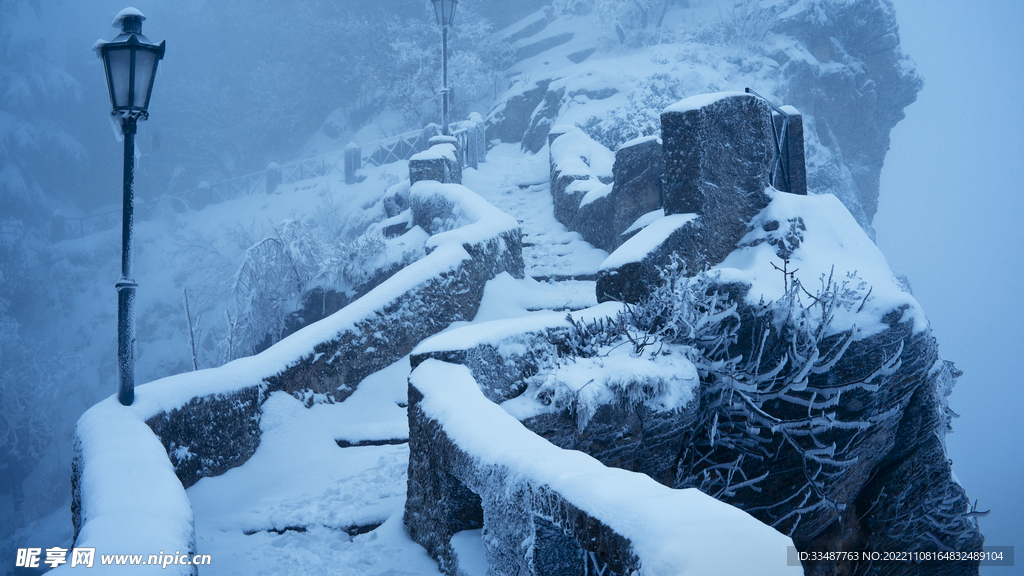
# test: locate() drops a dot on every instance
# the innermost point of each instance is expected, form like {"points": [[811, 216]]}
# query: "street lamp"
{"points": [[445, 12], [130, 62]]}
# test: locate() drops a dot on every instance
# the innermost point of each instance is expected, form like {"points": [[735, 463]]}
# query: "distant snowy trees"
{"points": [[35, 411], [263, 76], [30, 142]]}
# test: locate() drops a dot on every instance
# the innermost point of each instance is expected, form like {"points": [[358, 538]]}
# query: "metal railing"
{"points": [[780, 168], [400, 147], [384, 151]]}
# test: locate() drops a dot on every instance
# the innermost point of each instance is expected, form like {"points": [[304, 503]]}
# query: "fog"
{"points": [[949, 218], [950, 211]]}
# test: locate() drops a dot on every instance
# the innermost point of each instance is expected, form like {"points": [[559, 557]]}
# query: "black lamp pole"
{"points": [[444, 10], [126, 285], [444, 67], [130, 62]]}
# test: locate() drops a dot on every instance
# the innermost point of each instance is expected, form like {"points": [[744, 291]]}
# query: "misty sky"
{"points": [[949, 218]]}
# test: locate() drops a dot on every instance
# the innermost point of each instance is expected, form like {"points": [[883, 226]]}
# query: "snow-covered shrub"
{"points": [[302, 256], [353, 263], [760, 396], [745, 25], [757, 365], [641, 116]]}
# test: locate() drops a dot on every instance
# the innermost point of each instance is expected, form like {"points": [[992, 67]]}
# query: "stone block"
{"points": [[633, 271], [636, 190], [440, 162], [718, 151]]}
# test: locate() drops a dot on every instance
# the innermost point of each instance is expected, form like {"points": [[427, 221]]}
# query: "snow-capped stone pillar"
{"points": [[353, 161], [476, 141], [272, 177], [793, 152], [440, 162]]}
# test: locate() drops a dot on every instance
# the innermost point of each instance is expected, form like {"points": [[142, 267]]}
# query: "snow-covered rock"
{"points": [[544, 509], [839, 62]]}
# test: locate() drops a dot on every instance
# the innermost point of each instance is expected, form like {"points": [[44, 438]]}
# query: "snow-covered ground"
{"points": [[301, 503], [304, 505]]}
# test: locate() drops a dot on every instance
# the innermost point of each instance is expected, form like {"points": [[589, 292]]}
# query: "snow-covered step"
{"points": [[520, 186], [303, 505]]}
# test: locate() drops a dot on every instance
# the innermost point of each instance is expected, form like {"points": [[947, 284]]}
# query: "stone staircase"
{"points": [[520, 186]]}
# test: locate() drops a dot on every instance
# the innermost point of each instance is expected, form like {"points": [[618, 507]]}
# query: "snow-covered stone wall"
{"points": [[134, 462], [546, 510]]}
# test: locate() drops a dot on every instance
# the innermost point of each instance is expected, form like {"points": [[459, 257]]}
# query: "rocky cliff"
{"points": [[838, 62]]}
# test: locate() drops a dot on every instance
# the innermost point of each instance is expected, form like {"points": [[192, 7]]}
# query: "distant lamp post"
{"points": [[445, 12], [130, 62]]}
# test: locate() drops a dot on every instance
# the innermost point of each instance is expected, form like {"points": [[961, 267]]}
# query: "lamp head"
{"points": [[130, 61]]}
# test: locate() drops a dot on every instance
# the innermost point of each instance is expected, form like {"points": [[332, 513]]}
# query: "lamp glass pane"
{"points": [[119, 63], [438, 11], [145, 65], [450, 11]]}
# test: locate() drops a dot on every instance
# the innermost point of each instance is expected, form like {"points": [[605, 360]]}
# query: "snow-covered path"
{"points": [[519, 184], [302, 504]]}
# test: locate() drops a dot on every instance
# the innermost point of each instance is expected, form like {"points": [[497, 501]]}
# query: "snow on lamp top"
{"points": [[126, 14], [130, 62]]}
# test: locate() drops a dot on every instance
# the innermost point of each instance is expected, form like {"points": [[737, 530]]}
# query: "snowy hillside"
{"points": [[326, 487]]}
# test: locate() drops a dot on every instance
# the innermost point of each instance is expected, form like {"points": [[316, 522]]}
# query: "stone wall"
{"points": [[636, 190], [211, 435], [203, 423], [549, 511]]}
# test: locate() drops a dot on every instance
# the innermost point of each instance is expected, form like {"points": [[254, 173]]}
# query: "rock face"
{"points": [[885, 482], [636, 190], [510, 120], [839, 62], [719, 154], [718, 161], [856, 90]]}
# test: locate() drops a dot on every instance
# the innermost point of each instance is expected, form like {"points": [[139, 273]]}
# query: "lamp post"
{"points": [[129, 61], [445, 12]]}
